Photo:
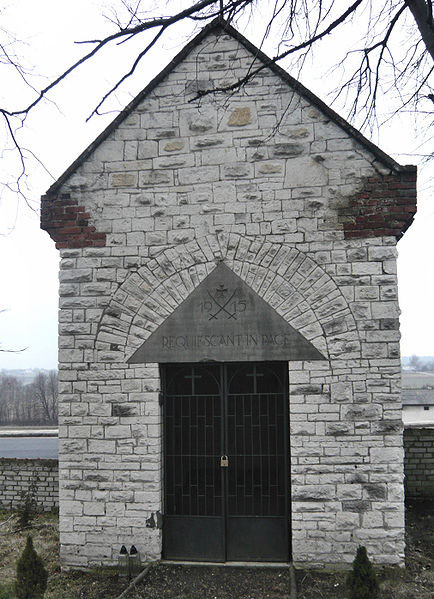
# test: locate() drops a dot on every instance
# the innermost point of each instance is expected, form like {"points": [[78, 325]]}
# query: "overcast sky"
{"points": [[58, 133]]}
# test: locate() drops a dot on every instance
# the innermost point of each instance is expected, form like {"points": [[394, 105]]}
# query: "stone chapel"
{"points": [[229, 364]]}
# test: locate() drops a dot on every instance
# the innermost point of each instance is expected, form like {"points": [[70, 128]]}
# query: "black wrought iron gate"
{"points": [[226, 451]]}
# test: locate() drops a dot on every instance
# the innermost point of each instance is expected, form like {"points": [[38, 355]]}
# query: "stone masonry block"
{"points": [[341, 392]]}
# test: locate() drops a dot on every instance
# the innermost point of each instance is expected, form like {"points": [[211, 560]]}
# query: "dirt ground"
{"points": [[165, 581], [416, 581]]}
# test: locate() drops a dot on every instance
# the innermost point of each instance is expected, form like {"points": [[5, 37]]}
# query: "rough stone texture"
{"points": [[16, 476], [419, 462], [272, 192]]}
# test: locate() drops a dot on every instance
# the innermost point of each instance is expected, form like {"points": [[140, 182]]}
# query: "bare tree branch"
{"points": [[158, 22], [292, 50], [369, 77], [423, 15], [130, 72], [383, 66]]}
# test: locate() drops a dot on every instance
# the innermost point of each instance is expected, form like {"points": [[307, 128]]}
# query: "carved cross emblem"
{"points": [[221, 291], [222, 303]]}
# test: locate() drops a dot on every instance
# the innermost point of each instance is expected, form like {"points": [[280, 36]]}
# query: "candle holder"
{"points": [[134, 562], [123, 562]]}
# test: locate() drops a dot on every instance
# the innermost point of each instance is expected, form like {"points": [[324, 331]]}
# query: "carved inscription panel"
{"points": [[224, 320]]}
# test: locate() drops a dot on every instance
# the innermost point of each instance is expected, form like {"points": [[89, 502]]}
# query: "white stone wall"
{"points": [[256, 178], [418, 414]]}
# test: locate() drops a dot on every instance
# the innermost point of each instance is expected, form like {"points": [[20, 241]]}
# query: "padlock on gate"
{"points": [[224, 461]]}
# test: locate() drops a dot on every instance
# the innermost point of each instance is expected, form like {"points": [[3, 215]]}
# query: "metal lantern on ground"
{"points": [[134, 559], [123, 562]]}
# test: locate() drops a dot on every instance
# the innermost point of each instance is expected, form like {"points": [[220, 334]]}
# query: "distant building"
{"points": [[417, 397]]}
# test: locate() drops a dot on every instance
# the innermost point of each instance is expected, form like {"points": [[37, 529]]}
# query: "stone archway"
{"points": [[296, 286]]}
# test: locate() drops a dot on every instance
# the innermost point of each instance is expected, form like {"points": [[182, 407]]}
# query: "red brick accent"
{"points": [[67, 223], [384, 206]]}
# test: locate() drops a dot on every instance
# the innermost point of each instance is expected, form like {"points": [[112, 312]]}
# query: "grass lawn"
{"points": [[166, 581]]}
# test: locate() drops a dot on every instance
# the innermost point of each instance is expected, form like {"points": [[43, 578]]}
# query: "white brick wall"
{"points": [[17, 476]]}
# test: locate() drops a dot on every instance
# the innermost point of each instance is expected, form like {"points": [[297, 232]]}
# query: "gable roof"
{"points": [[223, 25]]}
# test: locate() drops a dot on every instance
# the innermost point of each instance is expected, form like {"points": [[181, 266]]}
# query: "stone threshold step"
{"points": [[227, 564]]}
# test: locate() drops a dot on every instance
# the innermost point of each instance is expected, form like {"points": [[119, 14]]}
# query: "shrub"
{"points": [[361, 581], [28, 505], [31, 575]]}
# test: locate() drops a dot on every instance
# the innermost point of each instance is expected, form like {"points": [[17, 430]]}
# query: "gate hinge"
{"points": [[161, 398]]}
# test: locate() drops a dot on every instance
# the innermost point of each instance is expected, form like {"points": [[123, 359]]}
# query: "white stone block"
{"points": [[386, 455], [303, 171], [341, 392], [109, 151]]}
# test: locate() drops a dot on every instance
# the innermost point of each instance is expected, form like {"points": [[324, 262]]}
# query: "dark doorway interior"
{"points": [[226, 461]]}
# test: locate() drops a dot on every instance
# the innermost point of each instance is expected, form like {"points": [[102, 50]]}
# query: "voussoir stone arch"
{"points": [[296, 286]]}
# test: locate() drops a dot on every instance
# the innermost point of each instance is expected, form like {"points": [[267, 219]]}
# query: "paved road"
{"points": [[29, 447]]}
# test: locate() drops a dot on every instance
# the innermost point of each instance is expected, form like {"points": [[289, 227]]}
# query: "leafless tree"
{"points": [[45, 391], [12, 404], [415, 362], [394, 56], [31, 403]]}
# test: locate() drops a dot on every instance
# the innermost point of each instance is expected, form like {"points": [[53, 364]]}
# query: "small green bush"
{"points": [[28, 505], [31, 575], [361, 581]]}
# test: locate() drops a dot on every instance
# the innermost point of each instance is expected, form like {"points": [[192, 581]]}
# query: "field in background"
{"points": [[417, 380]]}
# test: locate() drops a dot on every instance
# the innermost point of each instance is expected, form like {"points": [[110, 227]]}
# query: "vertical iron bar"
{"points": [[252, 458], [196, 402], [276, 454], [287, 458], [164, 441], [213, 458], [205, 452], [260, 451], [187, 452], [243, 457], [268, 458], [182, 453], [224, 445]]}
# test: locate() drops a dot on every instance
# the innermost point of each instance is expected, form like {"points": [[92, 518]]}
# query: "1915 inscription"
{"points": [[223, 304]]}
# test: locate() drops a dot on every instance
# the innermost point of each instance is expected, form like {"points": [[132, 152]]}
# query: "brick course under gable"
{"points": [[384, 206], [67, 223]]}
